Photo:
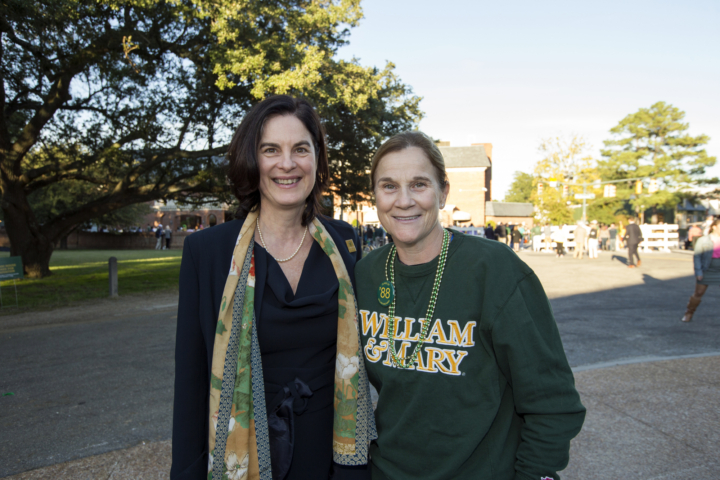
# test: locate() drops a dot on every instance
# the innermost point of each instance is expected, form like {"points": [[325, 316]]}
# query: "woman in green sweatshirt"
{"points": [[482, 389]]}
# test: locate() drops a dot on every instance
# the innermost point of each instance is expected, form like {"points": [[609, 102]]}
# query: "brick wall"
{"points": [[467, 192]]}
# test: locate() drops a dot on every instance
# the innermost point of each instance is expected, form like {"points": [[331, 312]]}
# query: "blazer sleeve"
{"points": [[190, 411]]}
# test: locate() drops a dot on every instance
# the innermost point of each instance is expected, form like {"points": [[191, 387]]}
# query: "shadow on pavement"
{"points": [[636, 321], [620, 259]]}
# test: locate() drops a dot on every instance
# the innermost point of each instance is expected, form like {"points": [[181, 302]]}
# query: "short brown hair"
{"points": [[243, 170], [404, 140]]}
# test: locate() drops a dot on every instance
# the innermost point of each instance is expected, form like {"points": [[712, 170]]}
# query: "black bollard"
{"points": [[113, 277]]}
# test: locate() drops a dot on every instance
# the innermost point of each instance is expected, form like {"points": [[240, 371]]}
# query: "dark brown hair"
{"points": [[404, 140], [243, 170]]}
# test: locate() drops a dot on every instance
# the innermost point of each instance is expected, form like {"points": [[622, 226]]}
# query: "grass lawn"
{"points": [[83, 274]]}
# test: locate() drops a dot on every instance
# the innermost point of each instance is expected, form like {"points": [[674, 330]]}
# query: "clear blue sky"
{"points": [[512, 73]]}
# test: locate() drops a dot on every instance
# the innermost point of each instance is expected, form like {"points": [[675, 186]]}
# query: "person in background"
{"points": [[159, 236], [580, 240], [168, 237], [547, 234], [536, 233], [604, 237], [379, 237], [501, 233], [482, 391], [592, 240], [517, 238], [706, 263], [707, 224], [694, 233], [612, 240], [489, 232], [559, 236], [621, 236], [633, 238], [368, 234]]}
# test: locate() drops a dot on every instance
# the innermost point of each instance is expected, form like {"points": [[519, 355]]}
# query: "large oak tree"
{"points": [[128, 101]]}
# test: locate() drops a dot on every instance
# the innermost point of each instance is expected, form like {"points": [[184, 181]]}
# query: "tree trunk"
{"points": [[26, 237]]}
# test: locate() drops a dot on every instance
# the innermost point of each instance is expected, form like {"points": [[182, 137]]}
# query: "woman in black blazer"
{"points": [[268, 381]]}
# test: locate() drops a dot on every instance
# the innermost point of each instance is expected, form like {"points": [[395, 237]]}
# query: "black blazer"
{"points": [[633, 234], [205, 265]]}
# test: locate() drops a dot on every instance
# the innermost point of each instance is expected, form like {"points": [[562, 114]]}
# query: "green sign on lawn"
{"points": [[11, 268]]}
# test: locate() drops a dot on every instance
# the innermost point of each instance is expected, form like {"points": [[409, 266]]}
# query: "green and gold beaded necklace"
{"points": [[407, 362]]}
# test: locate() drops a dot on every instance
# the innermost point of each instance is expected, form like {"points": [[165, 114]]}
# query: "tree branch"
{"points": [[44, 182], [158, 160], [60, 225], [51, 168], [36, 52]]}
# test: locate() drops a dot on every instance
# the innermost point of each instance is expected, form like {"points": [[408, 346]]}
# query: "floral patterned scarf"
{"points": [[238, 436]]}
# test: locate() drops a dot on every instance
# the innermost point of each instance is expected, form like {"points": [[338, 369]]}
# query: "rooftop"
{"points": [[509, 209], [464, 157]]}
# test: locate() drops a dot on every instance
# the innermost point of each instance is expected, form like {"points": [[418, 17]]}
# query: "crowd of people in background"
{"points": [[589, 237], [375, 236]]}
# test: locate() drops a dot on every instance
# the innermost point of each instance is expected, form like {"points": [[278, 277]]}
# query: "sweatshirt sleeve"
{"points": [[190, 409], [530, 355]]}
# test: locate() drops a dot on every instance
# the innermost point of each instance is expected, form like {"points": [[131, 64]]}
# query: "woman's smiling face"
{"points": [[287, 162], [408, 196]]}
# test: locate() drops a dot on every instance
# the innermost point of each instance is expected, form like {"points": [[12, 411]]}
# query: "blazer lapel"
{"points": [[260, 278], [347, 258]]}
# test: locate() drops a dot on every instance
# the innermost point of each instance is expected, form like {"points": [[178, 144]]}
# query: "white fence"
{"points": [[658, 237], [661, 237]]}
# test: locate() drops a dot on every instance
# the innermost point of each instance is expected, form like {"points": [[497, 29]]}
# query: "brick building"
{"points": [[469, 173], [174, 215]]}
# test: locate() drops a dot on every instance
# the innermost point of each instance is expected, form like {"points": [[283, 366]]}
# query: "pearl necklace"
{"points": [[407, 362], [262, 240]]}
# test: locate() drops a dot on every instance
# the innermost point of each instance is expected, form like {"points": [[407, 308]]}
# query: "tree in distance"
{"points": [[653, 142], [117, 102], [521, 188], [564, 160]]}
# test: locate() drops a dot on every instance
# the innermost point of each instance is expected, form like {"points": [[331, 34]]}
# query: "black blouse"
{"points": [[297, 333]]}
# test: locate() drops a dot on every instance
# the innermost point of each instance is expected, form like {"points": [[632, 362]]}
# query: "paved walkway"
{"points": [[646, 421]]}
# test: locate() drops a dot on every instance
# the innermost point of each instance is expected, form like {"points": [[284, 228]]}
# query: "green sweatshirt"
{"points": [[492, 395]]}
